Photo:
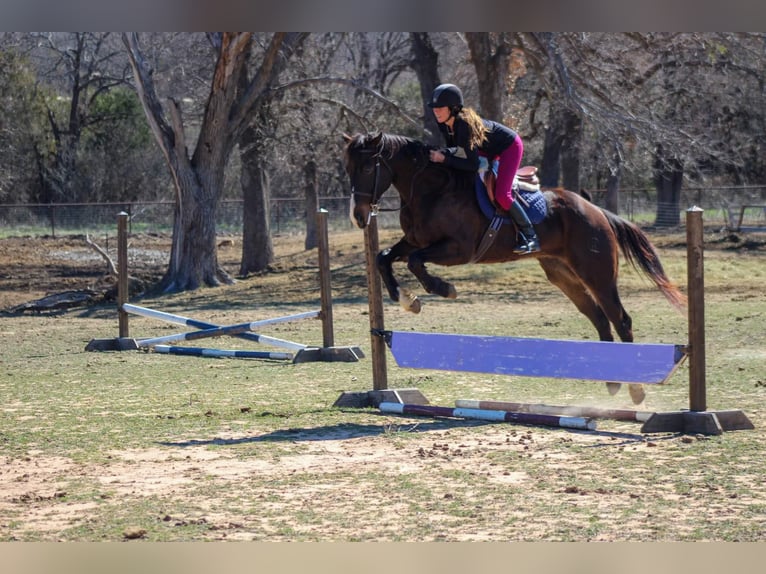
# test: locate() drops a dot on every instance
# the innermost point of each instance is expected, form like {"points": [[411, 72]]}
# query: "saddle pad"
{"points": [[536, 207]]}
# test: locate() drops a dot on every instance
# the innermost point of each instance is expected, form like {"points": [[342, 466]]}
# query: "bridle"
{"points": [[373, 195]]}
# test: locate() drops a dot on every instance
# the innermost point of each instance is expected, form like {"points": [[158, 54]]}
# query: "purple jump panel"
{"points": [[524, 357]]}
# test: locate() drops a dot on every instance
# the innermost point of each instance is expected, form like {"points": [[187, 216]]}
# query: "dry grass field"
{"points": [[141, 446]]}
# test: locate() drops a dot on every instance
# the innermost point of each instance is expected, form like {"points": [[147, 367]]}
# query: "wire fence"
{"points": [[741, 207]]}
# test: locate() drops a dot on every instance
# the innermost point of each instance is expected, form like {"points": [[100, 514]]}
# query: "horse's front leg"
{"points": [[384, 261], [443, 252]]}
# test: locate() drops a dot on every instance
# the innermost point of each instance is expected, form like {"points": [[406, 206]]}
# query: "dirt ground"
{"points": [[33, 268]]}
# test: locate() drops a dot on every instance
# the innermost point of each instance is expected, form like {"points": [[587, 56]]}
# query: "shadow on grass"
{"points": [[345, 431], [341, 431]]}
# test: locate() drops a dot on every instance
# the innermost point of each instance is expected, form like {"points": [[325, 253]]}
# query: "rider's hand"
{"points": [[436, 156]]}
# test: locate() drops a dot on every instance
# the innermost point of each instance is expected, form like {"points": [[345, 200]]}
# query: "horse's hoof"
{"points": [[613, 388], [637, 393], [451, 292], [409, 301]]}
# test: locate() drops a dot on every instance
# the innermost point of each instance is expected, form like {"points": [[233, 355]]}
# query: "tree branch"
{"points": [[110, 264], [273, 62], [354, 84], [151, 104]]}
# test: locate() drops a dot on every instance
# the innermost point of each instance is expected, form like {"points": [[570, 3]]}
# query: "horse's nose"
{"points": [[357, 214], [360, 219]]}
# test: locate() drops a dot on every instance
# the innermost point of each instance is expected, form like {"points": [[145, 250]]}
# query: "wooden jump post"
{"points": [[380, 391], [122, 273], [304, 353], [697, 419], [616, 362]]}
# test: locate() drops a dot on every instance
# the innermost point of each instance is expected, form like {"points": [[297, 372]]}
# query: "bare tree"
{"points": [[85, 66], [198, 176], [491, 54], [257, 248], [425, 62], [661, 95]]}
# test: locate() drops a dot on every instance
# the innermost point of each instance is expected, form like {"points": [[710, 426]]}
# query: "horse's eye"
{"points": [[367, 169]]}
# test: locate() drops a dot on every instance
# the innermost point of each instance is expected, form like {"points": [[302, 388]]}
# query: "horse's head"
{"points": [[370, 174]]}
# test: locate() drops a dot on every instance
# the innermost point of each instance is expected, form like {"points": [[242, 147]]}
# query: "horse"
{"points": [[443, 224]]}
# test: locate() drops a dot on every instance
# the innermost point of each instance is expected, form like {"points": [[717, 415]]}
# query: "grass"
{"points": [[96, 446]]}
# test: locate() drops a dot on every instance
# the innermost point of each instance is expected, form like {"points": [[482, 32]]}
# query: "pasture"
{"points": [[142, 446]]}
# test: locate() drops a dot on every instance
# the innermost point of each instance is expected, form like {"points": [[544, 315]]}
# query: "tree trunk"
{"points": [[668, 177], [425, 62], [193, 254], [561, 150], [491, 57], [550, 163], [312, 203], [570, 151], [257, 247]]}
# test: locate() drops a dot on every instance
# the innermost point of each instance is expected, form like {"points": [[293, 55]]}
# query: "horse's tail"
{"points": [[642, 255]]}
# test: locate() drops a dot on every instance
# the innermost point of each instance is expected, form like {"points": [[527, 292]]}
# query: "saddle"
{"points": [[526, 180], [526, 188]]}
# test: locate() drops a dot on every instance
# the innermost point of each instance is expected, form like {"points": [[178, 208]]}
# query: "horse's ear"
{"points": [[347, 138], [377, 136]]}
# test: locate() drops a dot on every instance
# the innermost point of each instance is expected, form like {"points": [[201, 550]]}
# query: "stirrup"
{"points": [[527, 245]]}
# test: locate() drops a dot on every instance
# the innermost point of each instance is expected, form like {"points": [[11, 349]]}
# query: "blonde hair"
{"points": [[478, 131]]}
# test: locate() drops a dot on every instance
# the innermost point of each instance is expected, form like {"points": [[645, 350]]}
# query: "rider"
{"points": [[468, 136]]}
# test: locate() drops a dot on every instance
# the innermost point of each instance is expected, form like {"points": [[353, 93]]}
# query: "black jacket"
{"points": [[458, 153]]}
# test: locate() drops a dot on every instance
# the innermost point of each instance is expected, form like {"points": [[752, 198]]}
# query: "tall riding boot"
{"points": [[528, 242]]}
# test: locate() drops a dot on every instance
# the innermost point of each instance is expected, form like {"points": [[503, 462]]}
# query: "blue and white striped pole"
{"points": [[212, 330], [579, 423], [205, 352]]}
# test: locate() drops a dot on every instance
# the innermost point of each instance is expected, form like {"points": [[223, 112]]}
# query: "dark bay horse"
{"points": [[443, 224]]}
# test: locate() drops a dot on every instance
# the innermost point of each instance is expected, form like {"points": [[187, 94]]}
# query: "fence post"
{"points": [[52, 217]]}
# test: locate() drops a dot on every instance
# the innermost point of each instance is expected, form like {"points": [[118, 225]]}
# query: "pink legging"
{"points": [[509, 163]]}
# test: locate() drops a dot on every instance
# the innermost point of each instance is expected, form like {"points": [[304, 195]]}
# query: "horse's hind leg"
{"points": [[598, 275], [562, 276], [593, 302], [601, 282], [608, 299]]}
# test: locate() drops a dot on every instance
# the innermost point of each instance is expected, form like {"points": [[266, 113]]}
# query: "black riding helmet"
{"points": [[447, 96]]}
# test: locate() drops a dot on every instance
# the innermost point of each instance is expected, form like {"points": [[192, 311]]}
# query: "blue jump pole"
{"points": [[561, 359]]}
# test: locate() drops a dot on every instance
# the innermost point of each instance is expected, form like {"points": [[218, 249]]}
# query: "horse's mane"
{"points": [[390, 145], [387, 144]]}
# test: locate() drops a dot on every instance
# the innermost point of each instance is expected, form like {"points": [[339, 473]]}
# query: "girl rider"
{"points": [[468, 136]]}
